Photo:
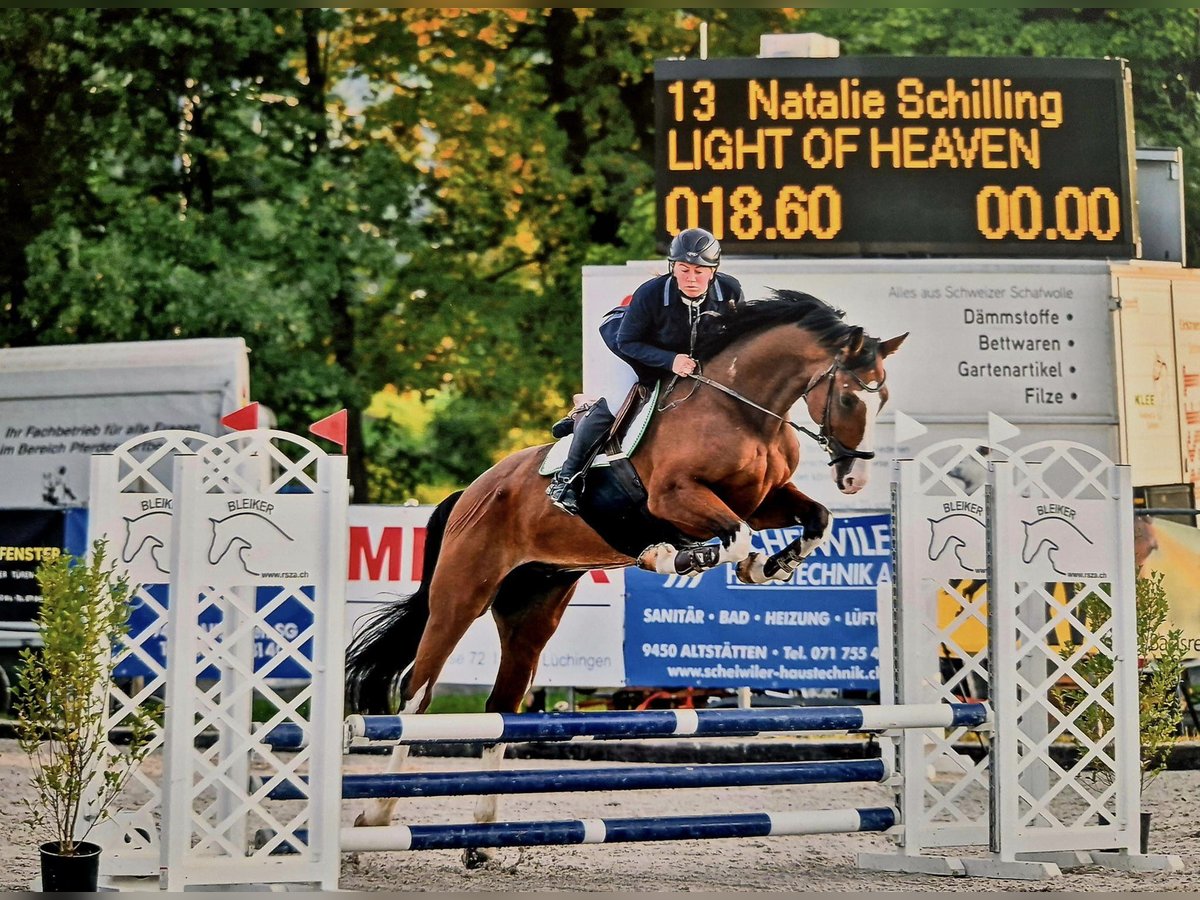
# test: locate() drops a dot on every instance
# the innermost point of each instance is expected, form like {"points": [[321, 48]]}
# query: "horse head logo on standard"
{"points": [[146, 539], [1056, 536], [259, 545], [964, 530]]}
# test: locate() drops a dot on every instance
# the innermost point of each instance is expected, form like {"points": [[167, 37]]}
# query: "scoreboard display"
{"points": [[898, 155]]}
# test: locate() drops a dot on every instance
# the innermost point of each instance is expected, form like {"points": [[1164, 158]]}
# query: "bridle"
{"points": [[836, 449]]}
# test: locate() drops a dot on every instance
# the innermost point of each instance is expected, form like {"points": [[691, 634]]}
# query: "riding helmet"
{"points": [[696, 247]]}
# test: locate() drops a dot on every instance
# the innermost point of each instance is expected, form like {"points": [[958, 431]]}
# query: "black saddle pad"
{"points": [[614, 505]]}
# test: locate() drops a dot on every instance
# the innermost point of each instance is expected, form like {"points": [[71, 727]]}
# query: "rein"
{"points": [[836, 449]]}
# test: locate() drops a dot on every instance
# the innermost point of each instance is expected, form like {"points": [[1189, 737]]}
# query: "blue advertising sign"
{"points": [[816, 630], [148, 629]]}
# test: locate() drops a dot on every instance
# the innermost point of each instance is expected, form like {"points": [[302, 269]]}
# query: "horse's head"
{"points": [[846, 399]]}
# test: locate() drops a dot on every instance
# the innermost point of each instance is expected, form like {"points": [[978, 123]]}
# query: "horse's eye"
{"points": [[848, 401]]}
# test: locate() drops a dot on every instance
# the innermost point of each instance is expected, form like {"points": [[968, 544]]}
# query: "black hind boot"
{"points": [[590, 432]]}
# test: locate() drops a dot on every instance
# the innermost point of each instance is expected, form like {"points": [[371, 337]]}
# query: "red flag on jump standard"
{"points": [[332, 428], [243, 419]]}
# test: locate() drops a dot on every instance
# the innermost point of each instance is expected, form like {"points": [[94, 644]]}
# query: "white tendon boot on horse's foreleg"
{"points": [[485, 807]]}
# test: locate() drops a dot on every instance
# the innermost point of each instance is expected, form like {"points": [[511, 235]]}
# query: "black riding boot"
{"points": [[590, 431]]}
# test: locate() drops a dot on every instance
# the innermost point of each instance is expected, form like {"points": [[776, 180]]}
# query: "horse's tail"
{"points": [[387, 645]]}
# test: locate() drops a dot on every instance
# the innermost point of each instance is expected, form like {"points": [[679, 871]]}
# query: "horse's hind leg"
{"points": [[527, 610], [445, 628]]}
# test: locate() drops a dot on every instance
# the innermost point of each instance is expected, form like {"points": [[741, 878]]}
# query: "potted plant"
{"points": [[60, 702], [1160, 667]]}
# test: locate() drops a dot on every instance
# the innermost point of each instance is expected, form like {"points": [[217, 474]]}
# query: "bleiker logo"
{"points": [[255, 539], [962, 532], [1055, 535], [146, 536]]}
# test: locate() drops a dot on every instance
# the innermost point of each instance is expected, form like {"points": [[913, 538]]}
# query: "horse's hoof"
{"points": [[474, 858], [750, 569], [660, 558]]}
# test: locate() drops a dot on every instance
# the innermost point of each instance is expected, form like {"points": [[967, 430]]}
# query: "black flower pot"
{"points": [[78, 871]]}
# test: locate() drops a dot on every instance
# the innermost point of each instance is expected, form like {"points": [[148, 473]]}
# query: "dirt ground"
{"points": [[816, 863]]}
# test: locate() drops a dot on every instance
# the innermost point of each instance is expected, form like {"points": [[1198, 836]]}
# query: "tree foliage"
{"points": [[403, 197]]}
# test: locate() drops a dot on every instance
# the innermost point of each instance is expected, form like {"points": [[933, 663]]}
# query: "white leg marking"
{"points": [[379, 812], [739, 548], [751, 570], [417, 698], [808, 545], [485, 806], [660, 558]]}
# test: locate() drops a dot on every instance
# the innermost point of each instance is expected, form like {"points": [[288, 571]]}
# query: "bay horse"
{"points": [[716, 461]]}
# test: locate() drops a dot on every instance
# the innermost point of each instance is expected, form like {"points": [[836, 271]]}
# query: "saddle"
{"points": [[614, 501], [628, 426]]}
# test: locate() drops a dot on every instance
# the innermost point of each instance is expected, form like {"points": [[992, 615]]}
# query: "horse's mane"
{"points": [[749, 317]]}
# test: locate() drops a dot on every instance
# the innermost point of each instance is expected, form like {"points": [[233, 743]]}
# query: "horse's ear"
{"points": [[854, 343], [891, 345]]}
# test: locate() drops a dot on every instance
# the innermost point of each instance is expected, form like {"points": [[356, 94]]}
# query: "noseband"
{"points": [[836, 449]]}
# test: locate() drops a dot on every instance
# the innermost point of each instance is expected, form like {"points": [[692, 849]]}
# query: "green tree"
{"points": [[217, 197], [404, 197]]}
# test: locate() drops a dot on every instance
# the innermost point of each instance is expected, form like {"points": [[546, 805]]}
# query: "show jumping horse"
{"points": [[716, 461]]}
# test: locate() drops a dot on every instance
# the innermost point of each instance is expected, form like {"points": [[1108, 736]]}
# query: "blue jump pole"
{"points": [[533, 781], [611, 831], [504, 727]]}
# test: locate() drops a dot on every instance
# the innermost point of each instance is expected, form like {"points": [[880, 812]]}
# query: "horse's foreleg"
{"points": [[785, 507], [696, 510]]}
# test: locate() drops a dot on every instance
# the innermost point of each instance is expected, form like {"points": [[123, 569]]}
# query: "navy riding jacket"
{"points": [[658, 322]]}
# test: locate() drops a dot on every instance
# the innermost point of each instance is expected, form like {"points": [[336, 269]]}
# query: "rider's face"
{"points": [[693, 280]]}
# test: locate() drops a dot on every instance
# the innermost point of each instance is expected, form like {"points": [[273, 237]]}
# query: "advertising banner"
{"points": [[817, 630], [386, 548], [28, 537], [61, 404], [1147, 350]]}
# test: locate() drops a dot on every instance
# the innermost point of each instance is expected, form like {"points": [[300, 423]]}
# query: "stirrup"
{"points": [[563, 495]]}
